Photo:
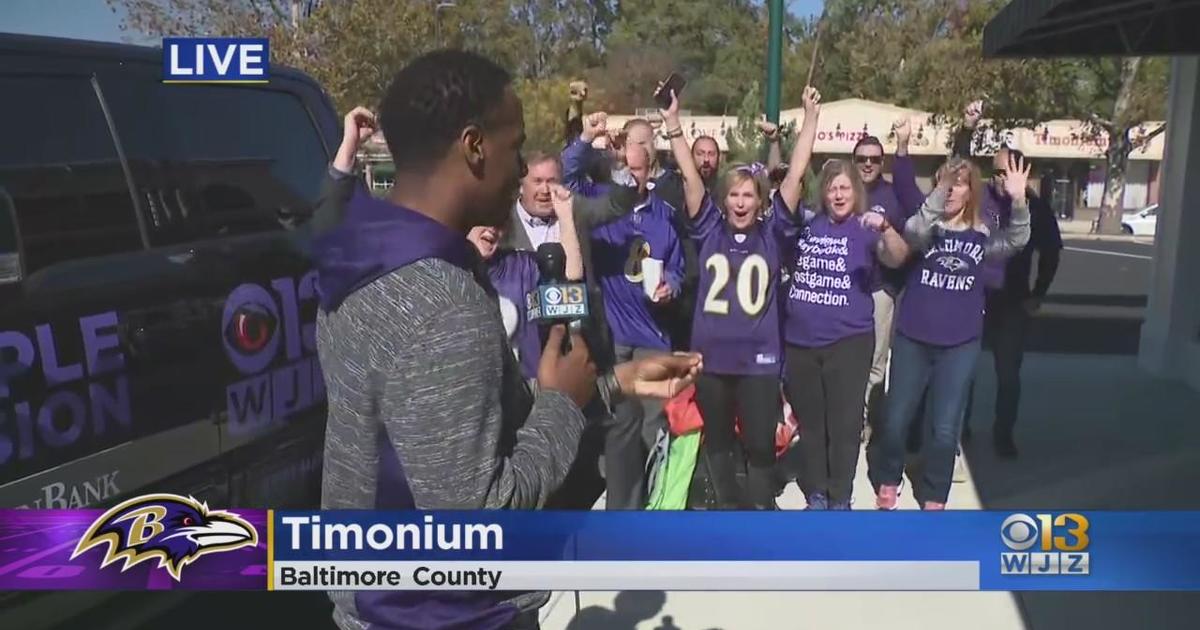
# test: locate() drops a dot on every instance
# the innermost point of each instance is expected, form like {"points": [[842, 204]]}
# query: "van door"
{"points": [[89, 408], [229, 173]]}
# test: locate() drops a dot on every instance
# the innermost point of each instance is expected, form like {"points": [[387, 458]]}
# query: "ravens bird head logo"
{"points": [[952, 263], [174, 529]]}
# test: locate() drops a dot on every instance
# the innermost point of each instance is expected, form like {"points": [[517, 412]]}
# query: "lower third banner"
{"points": [[165, 541]]}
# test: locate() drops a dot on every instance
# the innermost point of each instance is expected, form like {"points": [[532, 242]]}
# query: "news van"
{"points": [[156, 296]]}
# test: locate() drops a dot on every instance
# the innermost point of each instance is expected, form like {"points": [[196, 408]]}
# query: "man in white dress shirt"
{"points": [[534, 222]]}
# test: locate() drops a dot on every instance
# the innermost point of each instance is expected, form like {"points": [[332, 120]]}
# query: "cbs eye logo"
{"points": [[1045, 544]]}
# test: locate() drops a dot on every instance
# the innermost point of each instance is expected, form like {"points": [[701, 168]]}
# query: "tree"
{"points": [[1119, 97], [745, 141]]}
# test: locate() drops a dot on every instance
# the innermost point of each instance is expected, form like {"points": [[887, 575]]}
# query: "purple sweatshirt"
{"points": [[943, 300], [514, 274], [737, 326], [618, 249], [834, 269]]}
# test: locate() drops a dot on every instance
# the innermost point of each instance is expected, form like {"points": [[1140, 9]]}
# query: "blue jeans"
{"points": [[947, 371]]}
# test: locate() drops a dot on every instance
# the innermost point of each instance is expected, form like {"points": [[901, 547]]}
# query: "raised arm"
{"points": [[918, 231], [693, 184], [770, 132], [793, 184], [338, 185], [891, 250], [966, 134], [569, 234], [578, 156], [1013, 237], [904, 173]]}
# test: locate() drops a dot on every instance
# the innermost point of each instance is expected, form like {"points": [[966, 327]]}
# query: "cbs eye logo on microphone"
{"points": [[1045, 544]]}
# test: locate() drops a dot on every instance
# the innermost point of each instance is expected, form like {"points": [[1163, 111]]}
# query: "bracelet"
{"points": [[671, 134]]}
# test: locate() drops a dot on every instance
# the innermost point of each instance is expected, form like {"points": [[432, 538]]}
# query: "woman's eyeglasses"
{"points": [[864, 159]]}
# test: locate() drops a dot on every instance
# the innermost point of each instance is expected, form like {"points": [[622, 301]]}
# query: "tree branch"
{"points": [[1105, 123]]}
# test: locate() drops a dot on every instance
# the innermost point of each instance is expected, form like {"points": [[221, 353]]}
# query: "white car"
{"points": [[1141, 222]]}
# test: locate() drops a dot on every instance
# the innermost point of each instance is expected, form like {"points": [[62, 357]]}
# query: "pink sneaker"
{"points": [[887, 498], [934, 505]]}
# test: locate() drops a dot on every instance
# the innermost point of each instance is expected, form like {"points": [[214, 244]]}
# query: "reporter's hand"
{"points": [[659, 376], [573, 374]]}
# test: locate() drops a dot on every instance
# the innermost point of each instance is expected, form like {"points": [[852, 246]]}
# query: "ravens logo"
{"points": [[173, 529], [639, 250], [952, 263]]}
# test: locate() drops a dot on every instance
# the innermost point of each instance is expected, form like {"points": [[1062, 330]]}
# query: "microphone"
{"points": [[555, 300]]}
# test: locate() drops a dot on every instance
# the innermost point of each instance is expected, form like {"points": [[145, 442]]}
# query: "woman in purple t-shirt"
{"points": [[830, 328], [938, 325], [737, 319]]}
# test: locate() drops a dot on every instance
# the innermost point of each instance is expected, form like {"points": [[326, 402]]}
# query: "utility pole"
{"points": [[774, 59]]}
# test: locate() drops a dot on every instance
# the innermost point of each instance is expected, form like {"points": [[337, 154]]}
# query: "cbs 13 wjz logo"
{"points": [[1045, 544]]}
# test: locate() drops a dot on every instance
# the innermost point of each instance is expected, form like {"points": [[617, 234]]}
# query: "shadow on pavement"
{"points": [[630, 609], [1095, 433]]}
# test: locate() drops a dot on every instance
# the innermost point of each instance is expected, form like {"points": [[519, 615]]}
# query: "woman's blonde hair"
{"points": [[739, 173], [831, 170], [966, 171]]}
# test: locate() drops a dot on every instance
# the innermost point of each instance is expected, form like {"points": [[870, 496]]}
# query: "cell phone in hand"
{"points": [[674, 83]]}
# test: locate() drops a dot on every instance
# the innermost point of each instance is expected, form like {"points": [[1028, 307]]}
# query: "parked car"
{"points": [[1141, 222], [156, 295]]}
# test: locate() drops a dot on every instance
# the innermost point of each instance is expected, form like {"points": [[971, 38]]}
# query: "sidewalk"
{"points": [[1095, 433]]}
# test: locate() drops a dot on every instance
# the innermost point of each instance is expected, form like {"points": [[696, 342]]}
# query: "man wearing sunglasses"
{"points": [[897, 200]]}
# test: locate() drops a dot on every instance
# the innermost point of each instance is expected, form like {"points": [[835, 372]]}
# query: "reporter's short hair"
{"points": [[432, 99]]}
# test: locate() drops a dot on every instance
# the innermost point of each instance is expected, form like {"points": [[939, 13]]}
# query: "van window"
{"points": [[59, 165], [215, 161]]}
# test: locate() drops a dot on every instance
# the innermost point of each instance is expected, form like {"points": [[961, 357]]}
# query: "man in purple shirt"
{"points": [[618, 250], [897, 201]]}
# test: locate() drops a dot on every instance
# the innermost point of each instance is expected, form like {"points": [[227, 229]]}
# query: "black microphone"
{"points": [[559, 301]]}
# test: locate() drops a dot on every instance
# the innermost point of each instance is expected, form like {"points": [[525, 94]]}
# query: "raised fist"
{"points": [[811, 100], [579, 91], [903, 129], [769, 130], [972, 113], [595, 125]]}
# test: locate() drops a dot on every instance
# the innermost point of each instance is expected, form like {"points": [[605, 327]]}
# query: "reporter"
{"points": [[426, 405]]}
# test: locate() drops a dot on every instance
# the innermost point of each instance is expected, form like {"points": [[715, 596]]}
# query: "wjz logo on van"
{"points": [[216, 60], [260, 326]]}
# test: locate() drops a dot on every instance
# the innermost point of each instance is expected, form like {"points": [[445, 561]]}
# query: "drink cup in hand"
{"points": [[652, 273]]}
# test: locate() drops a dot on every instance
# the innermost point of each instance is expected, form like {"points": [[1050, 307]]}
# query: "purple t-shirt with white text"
{"points": [[829, 296], [737, 325], [943, 300]]}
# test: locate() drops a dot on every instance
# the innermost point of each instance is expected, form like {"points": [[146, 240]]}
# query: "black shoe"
{"points": [[1005, 447]]}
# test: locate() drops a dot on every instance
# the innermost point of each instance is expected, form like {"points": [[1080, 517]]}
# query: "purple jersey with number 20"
{"points": [[737, 326]]}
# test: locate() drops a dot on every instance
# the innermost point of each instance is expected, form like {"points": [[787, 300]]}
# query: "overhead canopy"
{"points": [[1079, 28]]}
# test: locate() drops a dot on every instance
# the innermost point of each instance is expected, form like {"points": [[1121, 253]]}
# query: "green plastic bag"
{"points": [[674, 478]]}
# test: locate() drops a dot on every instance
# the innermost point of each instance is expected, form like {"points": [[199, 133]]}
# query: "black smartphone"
{"points": [[674, 83]]}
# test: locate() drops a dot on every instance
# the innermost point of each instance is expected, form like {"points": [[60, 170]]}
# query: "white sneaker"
{"points": [[960, 468]]}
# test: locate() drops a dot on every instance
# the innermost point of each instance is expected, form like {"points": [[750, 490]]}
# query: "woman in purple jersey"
{"points": [[830, 327], [939, 323], [514, 273], [737, 316]]}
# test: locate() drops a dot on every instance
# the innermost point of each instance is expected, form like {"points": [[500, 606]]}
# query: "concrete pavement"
{"points": [[1095, 433]]}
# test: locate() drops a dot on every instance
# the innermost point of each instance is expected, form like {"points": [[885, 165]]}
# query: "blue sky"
{"points": [[94, 19]]}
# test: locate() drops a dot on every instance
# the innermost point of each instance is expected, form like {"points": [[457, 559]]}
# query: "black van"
{"points": [[156, 299]]}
